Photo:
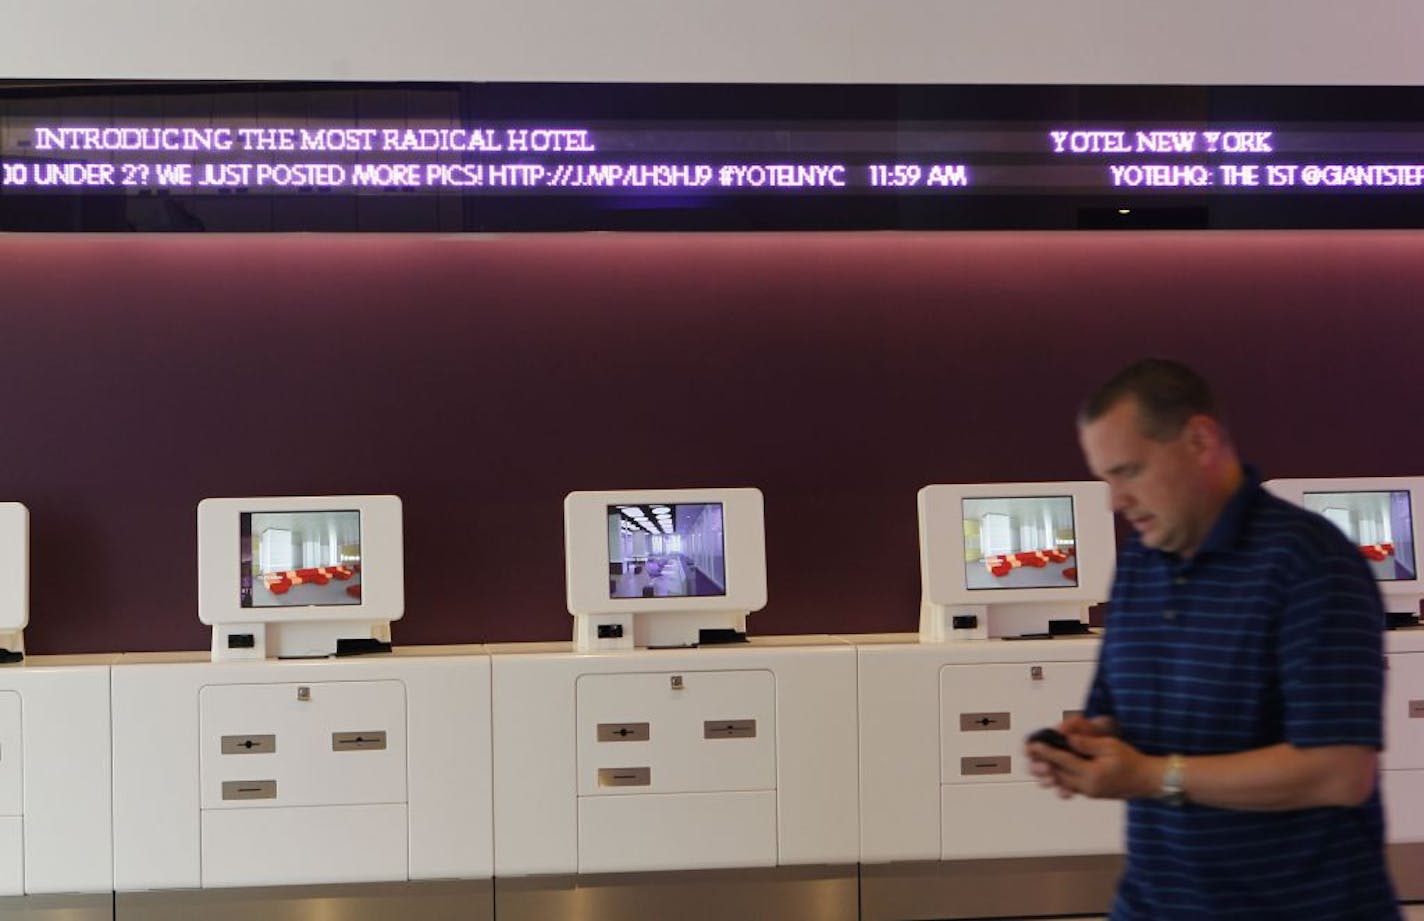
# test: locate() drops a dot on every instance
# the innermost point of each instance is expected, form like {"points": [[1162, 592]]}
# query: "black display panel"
{"points": [[480, 157]]}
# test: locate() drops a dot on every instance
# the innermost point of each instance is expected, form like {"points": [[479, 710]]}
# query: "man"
{"points": [[1238, 692]]}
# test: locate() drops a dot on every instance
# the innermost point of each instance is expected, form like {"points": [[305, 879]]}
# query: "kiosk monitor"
{"points": [[1005, 559], [1377, 515], [672, 567], [297, 576]]}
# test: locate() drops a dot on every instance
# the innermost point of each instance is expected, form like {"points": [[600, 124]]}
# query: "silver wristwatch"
{"points": [[1174, 791]]}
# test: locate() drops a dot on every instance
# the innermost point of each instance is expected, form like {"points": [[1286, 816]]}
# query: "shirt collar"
{"points": [[1227, 528]]}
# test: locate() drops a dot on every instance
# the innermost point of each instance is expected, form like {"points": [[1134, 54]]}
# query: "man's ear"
{"points": [[1204, 435]]}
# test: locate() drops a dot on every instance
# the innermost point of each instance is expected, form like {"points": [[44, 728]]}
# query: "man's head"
{"points": [[1152, 433]]}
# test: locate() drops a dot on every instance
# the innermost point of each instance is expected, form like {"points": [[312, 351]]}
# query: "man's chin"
{"points": [[1159, 542]]}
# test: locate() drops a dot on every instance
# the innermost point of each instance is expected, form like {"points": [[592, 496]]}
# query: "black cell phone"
{"points": [[1055, 739]]}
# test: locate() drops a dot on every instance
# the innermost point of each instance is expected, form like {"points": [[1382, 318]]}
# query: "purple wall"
{"points": [[482, 379]]}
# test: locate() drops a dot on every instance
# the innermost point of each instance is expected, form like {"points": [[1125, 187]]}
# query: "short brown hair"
{"points": [[1168, 393]]}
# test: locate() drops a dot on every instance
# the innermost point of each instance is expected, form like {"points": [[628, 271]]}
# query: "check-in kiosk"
{"points": [[14, 579], [662, 764], [300, 577], [952, 824], [1377, 515], [663, 568], [1012, 559], [55, 848], [280, 774]]}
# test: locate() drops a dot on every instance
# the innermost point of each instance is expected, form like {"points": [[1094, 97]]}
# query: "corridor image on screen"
{"points": [[1379, 523], [666, 551], [1019, 542], [300, 559]]}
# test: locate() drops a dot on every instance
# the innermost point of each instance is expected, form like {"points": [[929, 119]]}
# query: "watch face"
{"points": [[1173, 792]]}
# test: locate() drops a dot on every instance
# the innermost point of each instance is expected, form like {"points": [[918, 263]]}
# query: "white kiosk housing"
{"points": [[307, 786], [1012, 559], [952, 822], [1376, 513], [14, 575], [56, 848], [658, 567], [293, 577], [635, 782]]}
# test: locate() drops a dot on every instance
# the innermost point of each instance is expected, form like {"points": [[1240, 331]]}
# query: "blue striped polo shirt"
{"points": [[1272, 632]]}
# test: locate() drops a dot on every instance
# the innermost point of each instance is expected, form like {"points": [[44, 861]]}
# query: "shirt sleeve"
{"points": [[1099, 694], [1331, 649], [1100, 698]]}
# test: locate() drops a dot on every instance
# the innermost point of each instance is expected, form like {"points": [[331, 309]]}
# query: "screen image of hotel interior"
{"points": [[1019, 542], [301, 558], [666, 551], [1379, 523]]}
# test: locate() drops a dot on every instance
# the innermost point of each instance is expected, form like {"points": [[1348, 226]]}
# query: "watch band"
{"points": [[1174, 792]]}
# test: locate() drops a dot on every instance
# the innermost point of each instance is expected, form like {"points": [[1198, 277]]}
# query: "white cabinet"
{"points": [[12, 796], [1404, 712], [56, 781], [292, 744], [989, 804], [355, 769], [693, 732], [280, 846], [12, 855], [677, 759], [12, 790], [942, 729], [986, 710], [303, 782], [1402, 762], [676, 769], [702, 830]]}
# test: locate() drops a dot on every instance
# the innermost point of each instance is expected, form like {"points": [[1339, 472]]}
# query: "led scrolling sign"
{"points": [[708, 157]]}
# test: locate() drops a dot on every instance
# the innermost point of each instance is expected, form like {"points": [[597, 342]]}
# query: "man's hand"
{"points": [[1276, 777], [1107, 767]]}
